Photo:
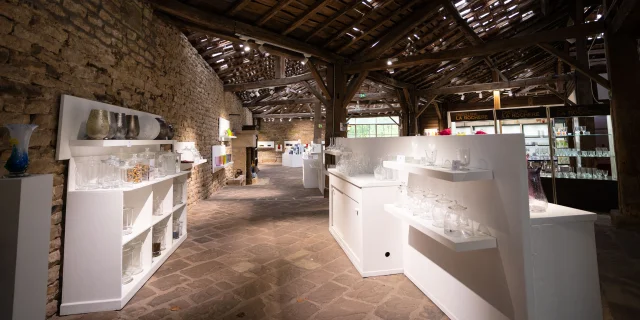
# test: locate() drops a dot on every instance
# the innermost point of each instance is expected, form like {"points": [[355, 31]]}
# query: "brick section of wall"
{"points": [[280, 131], [114, 51]]}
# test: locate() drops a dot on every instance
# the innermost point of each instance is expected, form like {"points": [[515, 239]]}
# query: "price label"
{"points": [[400, 158]]}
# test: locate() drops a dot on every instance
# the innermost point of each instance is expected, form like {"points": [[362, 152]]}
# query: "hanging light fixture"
{"points": [[480, 94], [462, 97], [247, 48]]}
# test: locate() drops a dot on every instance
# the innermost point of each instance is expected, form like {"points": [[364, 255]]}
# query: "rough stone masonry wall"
{"points": [[280, 131], [112, 51]]}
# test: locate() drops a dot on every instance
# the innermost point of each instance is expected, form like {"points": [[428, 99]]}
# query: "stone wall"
{"points": [[114, 51], [280, 131]]}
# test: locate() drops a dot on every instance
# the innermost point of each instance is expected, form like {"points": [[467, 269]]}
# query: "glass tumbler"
{"points": [[428, 205], [177, 194], [157, 205], [440, 211], [127, 257], [463, 155], [127, 221], [136, 263], [158, 243]]}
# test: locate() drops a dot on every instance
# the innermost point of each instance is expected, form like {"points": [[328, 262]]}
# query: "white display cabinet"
{"points": [[94, 239], [357, 221], [518, 271]]}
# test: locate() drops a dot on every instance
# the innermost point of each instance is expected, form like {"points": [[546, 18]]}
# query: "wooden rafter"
{"points": [[292, 101], [576, 64], [268, 83], [238, 6], [273, 11], [312, 10], [391, 37], [357, 22], [627, 17], [333, 18], [559, 95], [483, 49], [318, 78], [429, 102], [496, 85], [221, 25], [315, 92], [353, 86]]}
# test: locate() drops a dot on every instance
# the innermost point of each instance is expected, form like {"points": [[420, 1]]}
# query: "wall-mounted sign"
{"points": [[521, 113], [472, 115], [580, 111]]}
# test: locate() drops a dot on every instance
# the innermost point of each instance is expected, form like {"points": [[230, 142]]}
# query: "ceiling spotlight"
{"points": [[246, 46], [510, 93], [280, 119], [480, 95], [389, 62], [462, 97], [289, 119], [391, 70]]}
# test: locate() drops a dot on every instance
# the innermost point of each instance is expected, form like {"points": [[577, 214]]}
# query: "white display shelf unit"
{"points": [[441, 173], [458, 244], [189, 165], [94, 239]]}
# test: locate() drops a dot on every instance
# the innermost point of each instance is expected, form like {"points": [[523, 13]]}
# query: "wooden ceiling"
{"points": [[366, 30]]}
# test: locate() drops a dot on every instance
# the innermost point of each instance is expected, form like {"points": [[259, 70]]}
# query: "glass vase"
{"points": [[18, 161], [537, 199]]}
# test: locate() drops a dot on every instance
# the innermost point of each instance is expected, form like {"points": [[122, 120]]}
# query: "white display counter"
{"points": [[540, 266], [291, 160]]}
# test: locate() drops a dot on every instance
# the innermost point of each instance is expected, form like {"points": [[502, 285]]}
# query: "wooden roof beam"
{"points": [[366, 97], [273, 11], [307, 15], [398, 32], [224, 27], [318, 78], [353, 86], [627, 17], [267, 83], [356, 22], [239, 5], [576, 64], [483, 49], [508, 102], [496, 85], [315, 92], [333, 18]]}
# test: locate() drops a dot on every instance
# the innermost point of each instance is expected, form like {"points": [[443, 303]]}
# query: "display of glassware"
{"points": [[150, 158], [431, 155], [177, 229], [177, 194], [157, 205], [127, 220], [428, 205], [166, 163], [582, 173], [352, 164], [537, 198], [453, 220], [440, 211], [158, 241], [463, 155], [416, 197], [127, 259], [402, 198], [137, 265]]}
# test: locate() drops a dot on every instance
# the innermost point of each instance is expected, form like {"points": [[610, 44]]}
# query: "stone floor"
{"points": [[265, 252]]}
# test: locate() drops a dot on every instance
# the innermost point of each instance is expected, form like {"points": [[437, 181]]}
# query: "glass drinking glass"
{"points": [[463, 155], [157, 205], [417, 197], [81, 178], [428, 204], [158, 243], [605, 174], [127, 221], [150, 159], [92, 174], [592, 153], [177, 194], [176, 229], [127, 257], [439, 211], [136, 263], [431, 154]]}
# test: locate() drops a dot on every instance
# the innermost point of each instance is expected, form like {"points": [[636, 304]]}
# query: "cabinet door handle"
{"points": [[357, 211]]}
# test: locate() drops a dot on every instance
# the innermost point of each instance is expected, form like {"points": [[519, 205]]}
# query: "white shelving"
{"points": [[471, 174], [94, 241], [117, 143], [227, 138], [458, 244], [336, 152], [189, 166], [218, 168]]}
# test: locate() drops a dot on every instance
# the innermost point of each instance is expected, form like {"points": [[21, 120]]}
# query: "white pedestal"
{"points": [[291, 160], [26, 219], [310, 169]]}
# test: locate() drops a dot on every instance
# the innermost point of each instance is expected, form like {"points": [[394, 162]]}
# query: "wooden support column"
{"points": [[317, 121], [496, 100], [339, 101], [623, 64]]}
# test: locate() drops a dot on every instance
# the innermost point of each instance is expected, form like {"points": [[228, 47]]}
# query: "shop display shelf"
{"points": [[178, 206], [218, 168], [581, 156], [129, 289], [583, 135], [189, 166], [138, 185], [458, 244], [162, 217], [536, 137], [471, 174], [336, 152], [117, 143], [135, 233]]}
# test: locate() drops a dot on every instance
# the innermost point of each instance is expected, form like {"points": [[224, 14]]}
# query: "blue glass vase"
{"points": [[18, 161]]}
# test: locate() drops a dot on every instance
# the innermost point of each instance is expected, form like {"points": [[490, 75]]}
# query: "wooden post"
{"points": [[404, 115], [583, 83], [623, 64], [317, 120], [338, 101]]}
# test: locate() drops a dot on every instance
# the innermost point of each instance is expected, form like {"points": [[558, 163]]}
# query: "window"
{"points": [[373, 127]]}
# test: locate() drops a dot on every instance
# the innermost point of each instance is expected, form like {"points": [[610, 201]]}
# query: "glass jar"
{"points": [[176, 229], [416, 196], [537, 199], [178, 161], [109, 173], [166, 162], [123, 173], [127, 220], [428, 204], [440, 211], [177, 194], [127, 257], [158, 243], [401, 197], [453, 218], [136, 263], [150, 158]]}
